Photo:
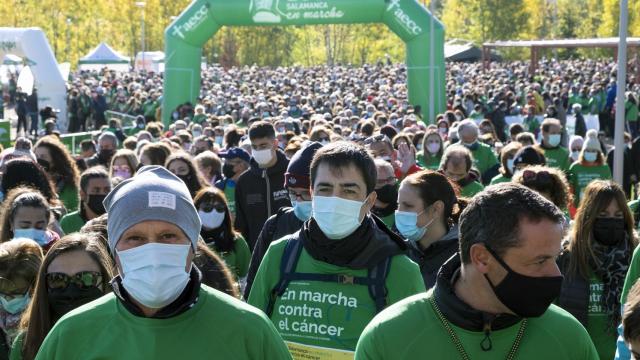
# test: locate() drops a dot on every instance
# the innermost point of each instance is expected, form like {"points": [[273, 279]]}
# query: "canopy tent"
{"points": [[32, 45], [104, 56], [10, 59], [150, 61], [464, 51]]}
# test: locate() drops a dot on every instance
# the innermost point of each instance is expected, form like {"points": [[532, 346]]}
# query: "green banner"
{"points": [[5, 133], [422, 34]]}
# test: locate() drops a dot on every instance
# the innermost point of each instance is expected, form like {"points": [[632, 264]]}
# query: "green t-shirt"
{"points": [[389, 220], [230, 194], [632, 275], [484, 158], [199, 118], [69, 197], [500, 178], [557, 157], [238, 259], [471, 189], [16, 347], [631, 111], [633, 205], [216, 327], [429, 162], [72, 222], [317, 318], [580, 176], [597, 321], [411, 327]]}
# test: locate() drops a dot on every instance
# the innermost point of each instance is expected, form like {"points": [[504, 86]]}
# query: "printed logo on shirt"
{"points": [[255, 199], [595, 298], [162, 199], [280, 195]]}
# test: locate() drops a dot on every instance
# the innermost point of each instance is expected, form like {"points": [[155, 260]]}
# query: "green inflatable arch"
{"points": [[422, 34]]}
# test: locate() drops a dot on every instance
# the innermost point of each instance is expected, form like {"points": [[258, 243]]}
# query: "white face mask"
{"points": [[575, 155], [211, 219], [433, 148], [154, 274], [336, 217], [262, 157]]}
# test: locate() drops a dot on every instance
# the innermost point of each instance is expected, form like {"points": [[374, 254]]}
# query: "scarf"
{"points": [[365, 247], [611, 263]]}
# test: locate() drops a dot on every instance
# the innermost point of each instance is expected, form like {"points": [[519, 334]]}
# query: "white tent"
{"points": [[33, 47], [150, 61], [104, 56]]}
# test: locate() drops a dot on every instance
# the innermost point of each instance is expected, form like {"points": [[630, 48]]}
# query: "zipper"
{"points": [[264, 176], [486, 343]]}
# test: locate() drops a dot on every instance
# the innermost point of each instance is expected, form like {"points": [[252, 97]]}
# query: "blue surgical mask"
{"points": [[39, 236], [510, 165], [407, 224], [590, 156], [554, 140], [15, 305], [219, 139], [1, 196], [302, 209], [336, 217]]}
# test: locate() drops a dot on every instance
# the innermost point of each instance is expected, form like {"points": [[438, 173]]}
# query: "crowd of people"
{"points": [[315, 213]]}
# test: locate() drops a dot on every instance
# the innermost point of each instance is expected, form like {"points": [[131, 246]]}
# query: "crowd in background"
{"points": [[245, 155]]}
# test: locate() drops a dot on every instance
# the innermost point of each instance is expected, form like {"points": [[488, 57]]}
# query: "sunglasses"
{"points": [[219, 207], [541, 178], [83, 279]]}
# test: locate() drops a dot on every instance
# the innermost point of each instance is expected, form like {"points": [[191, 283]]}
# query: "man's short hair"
{"points": [[456, 154], [468, 125], [340, 155], [107, 135], [87, 144], [493, 217], [96, 172], [548, 123], [261, 130]]}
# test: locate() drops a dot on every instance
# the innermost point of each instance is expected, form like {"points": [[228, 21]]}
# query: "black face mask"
{"points": [[609, 231], [105, 155], [227, 171], [45, 164], [387, 194], [185, 178], [94, 202], [526, 296], [64, 300]]}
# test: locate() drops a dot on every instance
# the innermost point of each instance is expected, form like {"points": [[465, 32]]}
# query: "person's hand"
{"points": [[406, 157]]}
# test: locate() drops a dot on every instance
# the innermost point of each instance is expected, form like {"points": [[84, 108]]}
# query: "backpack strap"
{"points": [[288, 263], [377, 287]]}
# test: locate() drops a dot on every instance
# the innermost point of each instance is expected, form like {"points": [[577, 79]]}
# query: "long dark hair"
{"points": [[24, 172], [433, 186], [61, 161], [37, 319], [212, 194], [215, 273], [195, 182]]}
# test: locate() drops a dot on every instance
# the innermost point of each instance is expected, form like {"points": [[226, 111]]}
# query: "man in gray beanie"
{"points": [[159, 309]]}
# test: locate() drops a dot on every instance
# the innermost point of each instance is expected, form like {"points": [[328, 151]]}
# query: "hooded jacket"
{"points": [[259, 194], [431, 259]]}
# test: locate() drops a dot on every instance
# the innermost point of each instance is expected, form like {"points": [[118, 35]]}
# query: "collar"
{"points": [[184, 302], [457, 311]]}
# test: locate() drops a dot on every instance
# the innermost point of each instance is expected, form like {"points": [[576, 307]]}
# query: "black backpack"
{"points": [[375, 280]]}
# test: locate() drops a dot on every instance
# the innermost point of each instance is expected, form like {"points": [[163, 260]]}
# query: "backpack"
{"points": [[375, 280]]}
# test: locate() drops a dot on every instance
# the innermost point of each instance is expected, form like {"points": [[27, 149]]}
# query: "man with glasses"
{"points": [[287, 220], [323, 284], [387, 193], [403, 160]]}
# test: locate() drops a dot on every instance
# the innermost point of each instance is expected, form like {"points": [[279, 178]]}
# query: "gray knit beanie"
{"points": [[153, 194]]}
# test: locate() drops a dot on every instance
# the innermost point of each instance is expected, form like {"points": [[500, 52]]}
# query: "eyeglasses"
{"points": [[541, 178], [218, 206], [305, 195], [83, 279], [377, 138]]}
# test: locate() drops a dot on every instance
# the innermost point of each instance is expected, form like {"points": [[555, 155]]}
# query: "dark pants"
{"points": [[33, 130], [22, 122], [633, 128]]}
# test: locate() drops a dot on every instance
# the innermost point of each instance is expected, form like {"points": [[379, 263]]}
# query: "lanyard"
{"points": [[458, 344]]}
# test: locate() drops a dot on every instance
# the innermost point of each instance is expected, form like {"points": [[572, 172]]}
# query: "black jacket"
{"points": [[431, 259], [629, 168], [259, 194], [278, 225], [574, 294]]}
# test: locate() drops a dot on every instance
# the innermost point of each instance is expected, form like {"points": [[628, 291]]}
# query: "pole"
{"points": [[618, 155], [142, 36], [432, 73]]}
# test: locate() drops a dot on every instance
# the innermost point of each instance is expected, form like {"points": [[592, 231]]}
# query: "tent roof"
{"points": [[104, 54], [11, 59], [461, 50]]}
